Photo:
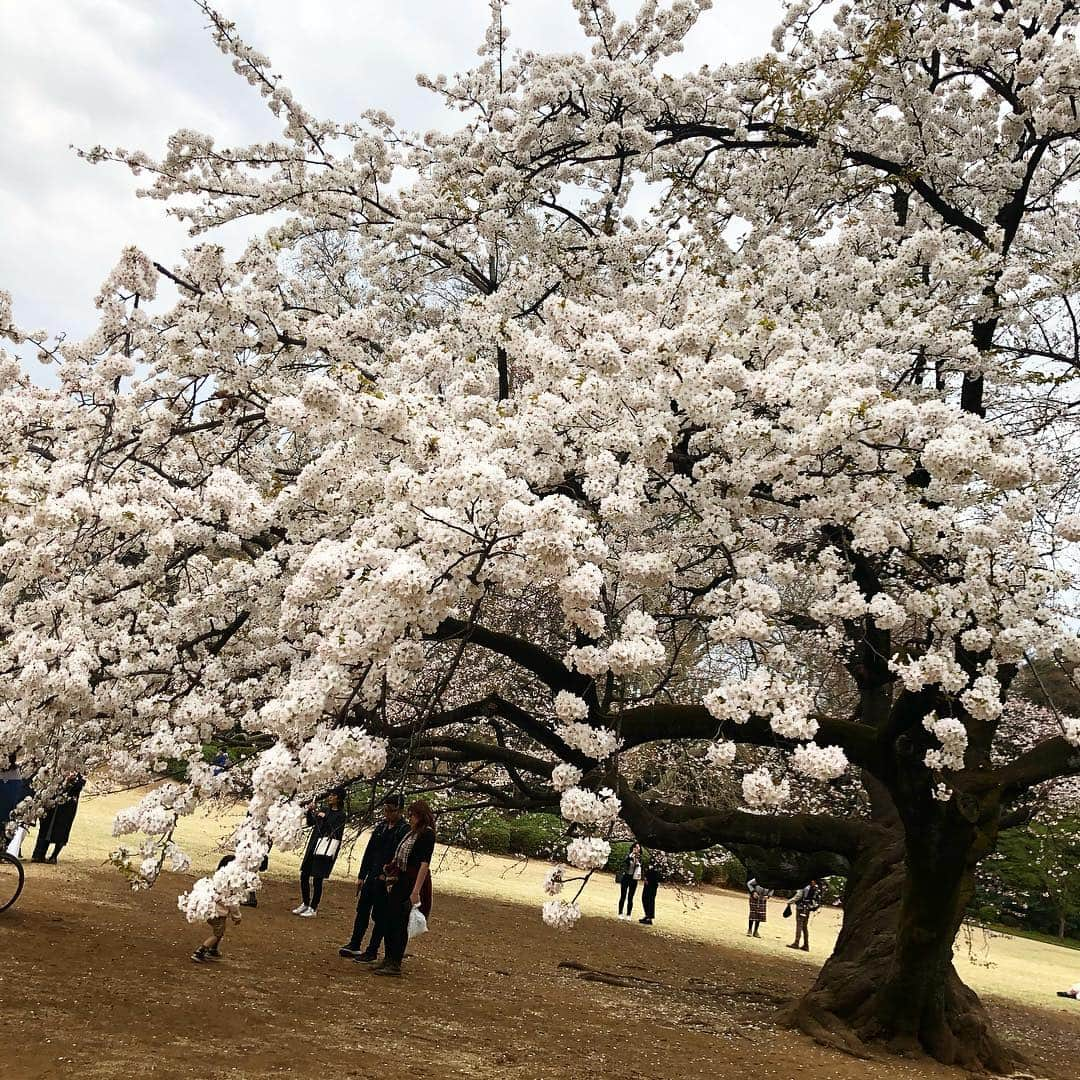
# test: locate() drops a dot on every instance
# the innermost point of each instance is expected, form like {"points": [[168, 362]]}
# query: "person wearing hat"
{"points": [[381, 845], [327, 830]]}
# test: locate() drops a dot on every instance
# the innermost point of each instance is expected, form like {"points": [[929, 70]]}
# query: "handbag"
{"points": [[417, 923], [15, 847], [787, 912], [327, 846], [618, 877]]}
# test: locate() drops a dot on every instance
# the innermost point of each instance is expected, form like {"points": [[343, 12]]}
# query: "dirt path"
{"points": [[95, 982]]}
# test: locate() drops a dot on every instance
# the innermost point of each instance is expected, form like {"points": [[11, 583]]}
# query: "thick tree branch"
{"points": [[661, 721], [692, 828], [551, 671], [1049, 760]]}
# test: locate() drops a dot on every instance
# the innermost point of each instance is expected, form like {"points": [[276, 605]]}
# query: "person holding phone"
{"points": [[633, 870], [327, 830]]}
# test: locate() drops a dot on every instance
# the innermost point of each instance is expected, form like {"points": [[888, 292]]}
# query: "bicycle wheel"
{"points": [[11, 880]]}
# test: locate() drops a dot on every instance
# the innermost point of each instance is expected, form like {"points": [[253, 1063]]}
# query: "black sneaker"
{"points": [[645, 922], [199, 955], [213, 954], [349, 952], [366, 958]]}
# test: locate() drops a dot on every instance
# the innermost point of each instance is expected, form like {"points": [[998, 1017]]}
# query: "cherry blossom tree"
{"points": [[720, 419]]}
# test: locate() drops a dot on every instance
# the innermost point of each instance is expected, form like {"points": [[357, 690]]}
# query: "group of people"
{"points": [[394, 880], [637, 868], [803, 904], [54, 827]]}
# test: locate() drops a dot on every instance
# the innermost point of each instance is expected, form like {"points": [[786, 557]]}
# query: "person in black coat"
{"points": [[633, 870], [55, 827], [381, 846], [327, 830], [654, 874]]}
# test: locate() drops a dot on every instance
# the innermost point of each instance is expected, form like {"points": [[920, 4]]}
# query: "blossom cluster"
{"points": [[588, 853]]}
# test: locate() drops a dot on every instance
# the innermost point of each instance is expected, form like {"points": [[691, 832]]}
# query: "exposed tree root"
{"points": [[633, 982]]}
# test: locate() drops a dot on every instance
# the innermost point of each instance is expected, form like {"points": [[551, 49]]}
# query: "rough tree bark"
{"points": [[890, 978]]}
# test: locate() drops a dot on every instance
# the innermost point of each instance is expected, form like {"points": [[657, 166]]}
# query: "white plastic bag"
{"points": [[15, 847], [417, 923]]}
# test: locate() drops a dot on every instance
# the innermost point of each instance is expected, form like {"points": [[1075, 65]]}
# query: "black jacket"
{"points": [[381, 845], [324, 843]]}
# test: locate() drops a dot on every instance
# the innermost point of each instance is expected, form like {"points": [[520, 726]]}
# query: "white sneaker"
{"points": [[300, 910], [308, 913]]}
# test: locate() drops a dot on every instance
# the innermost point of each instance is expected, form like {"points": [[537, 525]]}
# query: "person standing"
{"points": [[653, 876], [55, 827], [806, 901], [405, 883], [381, 846], [632, 872], [327, 830], [759, 907]]}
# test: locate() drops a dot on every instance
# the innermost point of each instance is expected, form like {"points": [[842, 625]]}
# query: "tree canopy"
{"points": [[712, 420]]}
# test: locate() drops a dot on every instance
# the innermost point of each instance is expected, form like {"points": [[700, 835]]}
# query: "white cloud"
{"points": [[130, 72]]}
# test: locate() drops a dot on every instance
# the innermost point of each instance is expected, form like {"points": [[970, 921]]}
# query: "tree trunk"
{"points": [[890, 978]]}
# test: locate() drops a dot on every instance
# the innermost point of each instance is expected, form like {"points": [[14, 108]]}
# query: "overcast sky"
{"points": [[130, 72]]}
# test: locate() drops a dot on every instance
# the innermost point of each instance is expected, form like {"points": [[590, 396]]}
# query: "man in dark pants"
{"points": [[380, 849], [55, 827], [653, 877]]}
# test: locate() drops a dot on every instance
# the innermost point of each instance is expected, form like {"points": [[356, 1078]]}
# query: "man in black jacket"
{"points": [[380, 849]]}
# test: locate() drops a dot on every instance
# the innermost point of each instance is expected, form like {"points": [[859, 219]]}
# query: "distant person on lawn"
{"points": [[327, 829], [633, 870], [381, 846], [405, 883], [55, 827], [806, 901], [654, 874], [759, 906], [209, 949], [1073, 992]]}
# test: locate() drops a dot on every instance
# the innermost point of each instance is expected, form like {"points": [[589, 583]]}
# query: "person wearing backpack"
{"points": [[806, 901]]}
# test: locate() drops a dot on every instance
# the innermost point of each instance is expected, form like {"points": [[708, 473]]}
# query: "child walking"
{"points": [[209, 950]]}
